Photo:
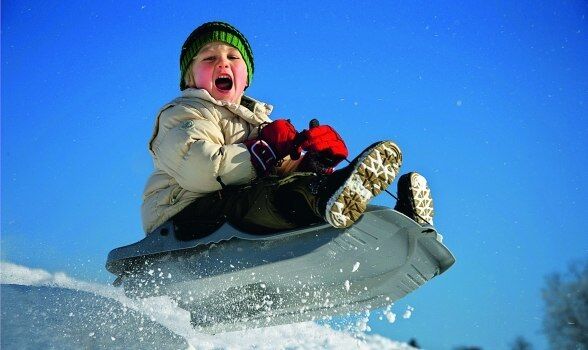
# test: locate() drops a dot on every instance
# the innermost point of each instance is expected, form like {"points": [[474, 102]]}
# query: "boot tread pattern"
{"points": [[374, 171], [422, 199]]}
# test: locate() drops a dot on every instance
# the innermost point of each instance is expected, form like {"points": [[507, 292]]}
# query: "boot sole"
{"points": [[421, 199], [374, 170]]}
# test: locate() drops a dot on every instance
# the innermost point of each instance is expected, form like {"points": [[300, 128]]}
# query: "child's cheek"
{"points": [[241, 75], [203, 76]]}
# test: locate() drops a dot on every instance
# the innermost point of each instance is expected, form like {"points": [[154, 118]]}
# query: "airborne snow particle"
{"points": [[347, 285], [408, 312], [390, 316], [355, 267]]}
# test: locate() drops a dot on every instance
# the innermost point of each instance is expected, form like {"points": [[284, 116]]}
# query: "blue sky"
{"points": [[488, 100]]}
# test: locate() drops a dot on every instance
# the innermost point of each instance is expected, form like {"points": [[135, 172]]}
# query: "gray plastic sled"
{"points": [[231, 280]]}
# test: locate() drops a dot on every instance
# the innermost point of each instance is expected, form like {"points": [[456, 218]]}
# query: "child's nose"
{"points": [[223, 63]]}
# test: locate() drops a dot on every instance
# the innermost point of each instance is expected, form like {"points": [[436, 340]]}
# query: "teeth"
{"points": [[224, 76]]}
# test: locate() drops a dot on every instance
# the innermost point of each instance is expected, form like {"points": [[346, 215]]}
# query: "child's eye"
{"points": [[209, 58], [233, 57]]}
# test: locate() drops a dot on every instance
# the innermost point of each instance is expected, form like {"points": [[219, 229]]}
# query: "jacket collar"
{"points": [[255, 112]]}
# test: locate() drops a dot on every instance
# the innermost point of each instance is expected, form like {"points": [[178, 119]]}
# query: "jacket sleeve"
{"points": [[191, 149]]}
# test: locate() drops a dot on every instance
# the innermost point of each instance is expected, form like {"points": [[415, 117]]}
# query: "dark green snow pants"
{"points": [[267, 205]]}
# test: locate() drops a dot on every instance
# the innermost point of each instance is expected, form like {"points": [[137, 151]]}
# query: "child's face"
{"points": [[220, 70]]}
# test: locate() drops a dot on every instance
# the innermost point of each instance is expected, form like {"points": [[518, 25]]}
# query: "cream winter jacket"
{"points": [[197, 143]]}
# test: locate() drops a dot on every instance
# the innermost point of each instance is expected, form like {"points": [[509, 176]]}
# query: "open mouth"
{"points": [[223, 83]]}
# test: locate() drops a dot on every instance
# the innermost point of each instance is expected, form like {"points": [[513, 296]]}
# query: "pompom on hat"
{"points": [[211, 32]]}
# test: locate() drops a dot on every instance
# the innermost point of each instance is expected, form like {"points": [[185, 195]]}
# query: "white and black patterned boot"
{"points": [[345, 194], [414, 198]]}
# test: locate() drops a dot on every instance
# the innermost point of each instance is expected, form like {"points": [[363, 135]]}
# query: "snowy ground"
{"points": [[45, 310]]}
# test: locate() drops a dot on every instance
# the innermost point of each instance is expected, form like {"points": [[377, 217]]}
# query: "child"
{"points": [[218, 156]]}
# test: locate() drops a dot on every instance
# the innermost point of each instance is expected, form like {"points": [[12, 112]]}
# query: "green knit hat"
{"points": [[210, 32]]}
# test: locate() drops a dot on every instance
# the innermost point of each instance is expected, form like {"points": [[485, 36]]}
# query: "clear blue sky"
{"points": [[487, 99]]}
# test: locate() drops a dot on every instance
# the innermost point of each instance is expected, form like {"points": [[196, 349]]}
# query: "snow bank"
{"points": [[165, 312]]}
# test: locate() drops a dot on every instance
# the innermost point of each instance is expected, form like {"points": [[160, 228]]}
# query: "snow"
{"points": [[347, 285], [408, 313], [390, 316], [165, 314]]}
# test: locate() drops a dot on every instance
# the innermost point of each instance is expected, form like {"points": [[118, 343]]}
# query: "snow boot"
{"points": [[345, 194], [414, 198]]}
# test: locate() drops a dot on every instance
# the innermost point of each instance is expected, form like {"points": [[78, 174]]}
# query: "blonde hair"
{"points": [[188, 77]]}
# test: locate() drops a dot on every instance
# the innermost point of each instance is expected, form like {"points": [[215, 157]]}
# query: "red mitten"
{"points": [[325, 144], [274, 142]]}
